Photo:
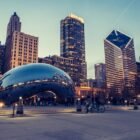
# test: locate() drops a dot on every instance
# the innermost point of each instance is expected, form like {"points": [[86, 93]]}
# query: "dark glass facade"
{"points": [[119, 39], [2, 50], [73, 44], [138, 78], [31, 79], [100, 75], [138, 67]]}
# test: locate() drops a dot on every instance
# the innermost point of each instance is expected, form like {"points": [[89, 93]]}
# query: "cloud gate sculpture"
{"points": [[31, 79]]}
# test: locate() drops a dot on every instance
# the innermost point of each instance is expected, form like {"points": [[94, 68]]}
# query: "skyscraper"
{"points": [[73, 44], [2, 48], [100, 75], [13, 25], [21, 48], [138, 78], [120, 61]]}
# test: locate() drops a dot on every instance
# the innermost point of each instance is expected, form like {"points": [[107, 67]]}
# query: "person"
{"points": [[97, 102], [78, 105], [13, 110], [87, 103]]}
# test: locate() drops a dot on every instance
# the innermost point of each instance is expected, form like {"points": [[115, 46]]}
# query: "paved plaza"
{"points": [[117, 123]]}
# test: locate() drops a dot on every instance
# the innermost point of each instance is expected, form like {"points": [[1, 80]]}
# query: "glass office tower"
{"points": [[120, 62], [73, 44], [100, 75]]}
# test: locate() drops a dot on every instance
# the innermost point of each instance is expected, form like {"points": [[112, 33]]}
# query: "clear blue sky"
{"points": [[42, 18]]}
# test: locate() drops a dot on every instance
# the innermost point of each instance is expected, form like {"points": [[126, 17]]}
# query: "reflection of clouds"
{"points": [[34, 73], [57, 78], [62, 79]]}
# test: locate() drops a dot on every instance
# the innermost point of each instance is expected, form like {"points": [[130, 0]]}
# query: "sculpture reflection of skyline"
{"points": [[28, 80]]}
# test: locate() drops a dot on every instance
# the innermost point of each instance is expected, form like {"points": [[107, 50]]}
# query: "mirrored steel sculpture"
{"points": [[31, 79]]}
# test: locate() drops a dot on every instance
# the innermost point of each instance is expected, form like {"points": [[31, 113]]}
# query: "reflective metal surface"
{"points": [[31, 79]]}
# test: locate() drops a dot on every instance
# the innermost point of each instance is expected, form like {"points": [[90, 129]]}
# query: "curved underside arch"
{"points": [[12, 94]]}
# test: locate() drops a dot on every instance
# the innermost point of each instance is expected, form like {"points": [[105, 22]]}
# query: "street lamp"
{"points": [[20, 98], [125, 101], [20, 106], [135, 104], [78, 105], [1, 104], [138, 96], [83, 96], [55, 100]]}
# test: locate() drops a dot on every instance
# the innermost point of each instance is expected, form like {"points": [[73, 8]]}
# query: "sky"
{"points": [[41, 18]]}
